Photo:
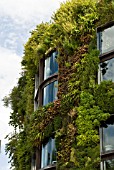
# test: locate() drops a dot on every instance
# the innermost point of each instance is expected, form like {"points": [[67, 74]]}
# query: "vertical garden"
{"points": [[82, 104]]}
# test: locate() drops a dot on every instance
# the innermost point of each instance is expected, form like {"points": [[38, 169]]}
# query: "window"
{"points": [[48, 153], [107, 70], [107, 142], [108, 164], [50, 65], [105, 36], [107, 39], [36, 90], [107, 135], [50, 93], [108, 138], [46, 87], [33, 162]]}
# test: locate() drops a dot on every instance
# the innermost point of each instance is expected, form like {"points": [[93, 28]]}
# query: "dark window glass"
{"points": [[107, 70], [48, 153], [50, 93], [35, 105], [50, 66], [107, 40], [36, 83], [33, 162], [106, 45], [108, 138], [107, 165]]}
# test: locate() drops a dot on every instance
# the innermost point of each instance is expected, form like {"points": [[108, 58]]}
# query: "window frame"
{"points": [[46, 143], [39, 99], [106, 55], [104, 155], [45, 57], [53, 80]]}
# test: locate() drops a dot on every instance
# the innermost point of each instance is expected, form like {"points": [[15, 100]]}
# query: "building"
{"points": [[71, 126], [46, 85], [106, 47]]}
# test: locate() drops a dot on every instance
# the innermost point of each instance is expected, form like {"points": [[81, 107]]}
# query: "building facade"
{"points": [[71, 126], [106, 72], [46, 87]]}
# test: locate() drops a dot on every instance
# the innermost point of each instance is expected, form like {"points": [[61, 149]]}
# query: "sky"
{"points": [[17, 19]]}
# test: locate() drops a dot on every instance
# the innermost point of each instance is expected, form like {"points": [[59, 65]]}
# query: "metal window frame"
{"points": [[108, 155], [39, 99]]}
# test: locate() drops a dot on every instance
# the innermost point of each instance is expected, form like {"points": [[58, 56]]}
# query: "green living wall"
{"points": [[76, 116]]}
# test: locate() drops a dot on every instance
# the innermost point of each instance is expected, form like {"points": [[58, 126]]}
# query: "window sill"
{"points": [[106, 56], [107, 155], [105, 26]]}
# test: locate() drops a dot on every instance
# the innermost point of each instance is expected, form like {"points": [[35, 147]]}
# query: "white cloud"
{"points": [[10, 66], [19, 17], [25, 10]]}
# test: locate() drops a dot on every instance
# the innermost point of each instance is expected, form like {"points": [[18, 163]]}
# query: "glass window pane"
{"points": [[43, 157], [50, 66], [107, 70], [50, 93], [48, 153], [108, 165], [53, 160], [108, 138], [107, 40]]}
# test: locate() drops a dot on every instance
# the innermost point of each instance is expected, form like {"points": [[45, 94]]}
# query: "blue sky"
{"points": [[17, 19]]}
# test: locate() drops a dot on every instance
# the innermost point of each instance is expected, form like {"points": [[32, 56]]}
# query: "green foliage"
{"points": [[104, 95], [17, 100], [20, 155], [82, 104], [88, 121]]}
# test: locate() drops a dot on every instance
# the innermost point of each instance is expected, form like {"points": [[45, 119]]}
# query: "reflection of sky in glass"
{"points": [[50, 93], [108, 71], [108, 39], [108, 165], [48, 153], [108, 138], [51, 65]]}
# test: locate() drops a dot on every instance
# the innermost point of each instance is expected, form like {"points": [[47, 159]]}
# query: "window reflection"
{"points": [[107, 40], [50, 66], [106, 45], [107, 165], [33, 162], [108, 138], [107, 70], [50, 93], [48, 153]]}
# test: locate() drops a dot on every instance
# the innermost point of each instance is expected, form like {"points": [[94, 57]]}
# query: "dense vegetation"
{"points": [[77, 114]]}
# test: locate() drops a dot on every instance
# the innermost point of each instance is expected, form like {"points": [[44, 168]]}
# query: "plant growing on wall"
{"points": [[77, 114]]}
